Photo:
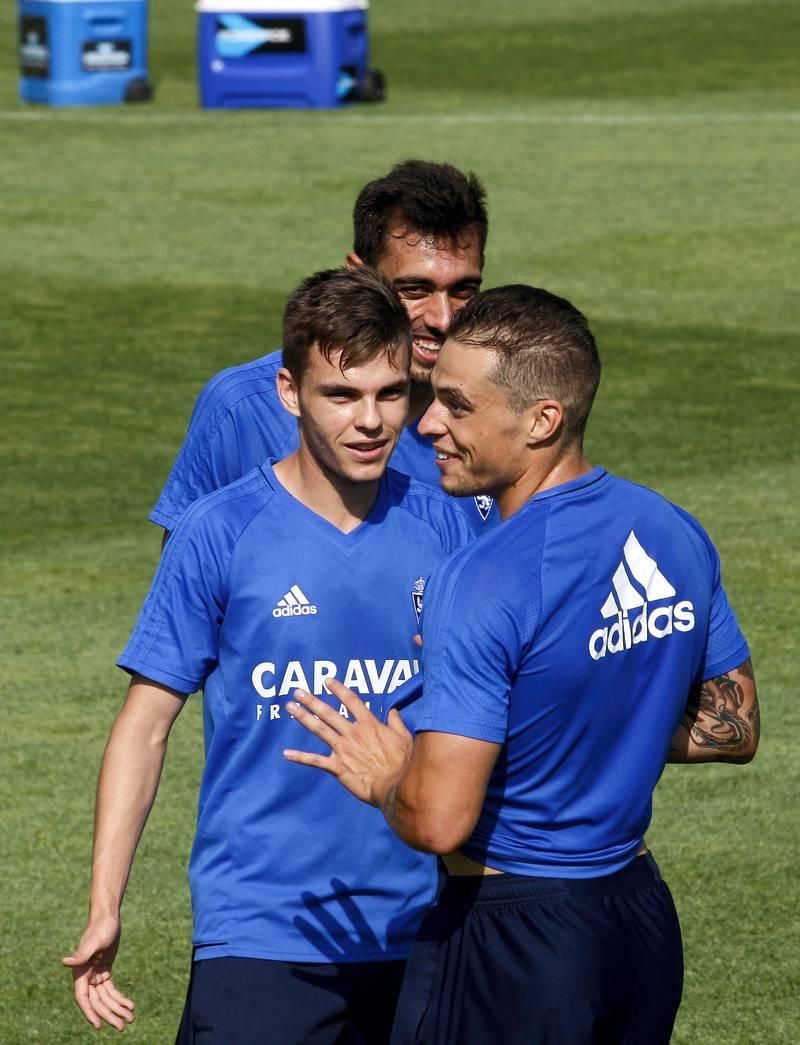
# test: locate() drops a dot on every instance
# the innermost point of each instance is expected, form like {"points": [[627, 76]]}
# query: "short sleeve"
{"points": [[471, 645], [176, 638], [726, 646], [205, 462], [237, 423]]}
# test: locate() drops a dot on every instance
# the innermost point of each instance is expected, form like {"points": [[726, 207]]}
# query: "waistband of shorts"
{"points": [[640, 873]]}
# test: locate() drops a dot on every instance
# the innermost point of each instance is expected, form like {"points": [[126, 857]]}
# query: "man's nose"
{"points": [[368, 416], [430, 424], [438, 312]]}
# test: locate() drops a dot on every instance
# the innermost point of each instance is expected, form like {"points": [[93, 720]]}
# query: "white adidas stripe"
{"points": [[644, 570], [293, 597], [627, 596]]}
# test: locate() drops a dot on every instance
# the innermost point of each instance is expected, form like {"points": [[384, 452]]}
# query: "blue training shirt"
{"points": [[255, 596], [239, 422], [572, 635]]}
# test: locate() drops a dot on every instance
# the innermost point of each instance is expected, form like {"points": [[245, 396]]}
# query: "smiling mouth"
{"points": [[427, 349]]}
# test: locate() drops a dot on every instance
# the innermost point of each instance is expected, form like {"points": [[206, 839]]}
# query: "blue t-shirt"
{"points": [[239, 422], [572, 635], [255, 596]]}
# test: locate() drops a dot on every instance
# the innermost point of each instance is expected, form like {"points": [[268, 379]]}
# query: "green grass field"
{"points": [[641, 160]]}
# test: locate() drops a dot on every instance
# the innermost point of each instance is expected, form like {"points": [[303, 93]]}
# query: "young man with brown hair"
{"points": [[305, 568]]}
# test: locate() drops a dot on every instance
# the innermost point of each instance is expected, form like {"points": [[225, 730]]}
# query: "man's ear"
{"points": [[353, 261], [547, 419], [288, 391]]}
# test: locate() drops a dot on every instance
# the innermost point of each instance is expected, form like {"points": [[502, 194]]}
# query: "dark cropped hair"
{"points": [[353, 311], [434, 199], [544, 349]]}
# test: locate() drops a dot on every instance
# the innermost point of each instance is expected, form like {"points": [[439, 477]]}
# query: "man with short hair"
{"points": [[305, 568], [424, 226], [559, 653]]}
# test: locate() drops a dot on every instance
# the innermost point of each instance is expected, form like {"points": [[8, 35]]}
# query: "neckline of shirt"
{"points": [[325, 527], [597, 474]]}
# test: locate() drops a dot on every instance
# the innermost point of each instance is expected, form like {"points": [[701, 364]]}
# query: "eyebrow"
{"points": [[396, 386], [452, 395], [340, 388], [424, 281], [336, 388]]}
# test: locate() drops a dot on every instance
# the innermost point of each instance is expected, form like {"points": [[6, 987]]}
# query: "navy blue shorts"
{"points": [[252, 1001], [514, 960]]}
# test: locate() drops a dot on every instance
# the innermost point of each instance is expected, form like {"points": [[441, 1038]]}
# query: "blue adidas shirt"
{"points": [[572, 635], [239, 422], [256, 595]]}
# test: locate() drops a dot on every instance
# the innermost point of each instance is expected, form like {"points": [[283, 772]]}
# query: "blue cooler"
{"points": [[72, 52], [296, 54]]}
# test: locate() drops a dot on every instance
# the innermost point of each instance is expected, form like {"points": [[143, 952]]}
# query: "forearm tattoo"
{"points": [[719, 716], [389, 807]]}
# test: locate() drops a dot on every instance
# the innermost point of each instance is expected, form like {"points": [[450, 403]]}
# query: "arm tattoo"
{"points": [[389, 807], [746, 669], [716, 715]]}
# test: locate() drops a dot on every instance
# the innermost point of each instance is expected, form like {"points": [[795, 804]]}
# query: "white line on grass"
{"points": [[114, 115]]}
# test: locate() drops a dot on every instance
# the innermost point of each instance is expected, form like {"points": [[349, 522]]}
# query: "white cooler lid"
{"points": [[278, 7]]}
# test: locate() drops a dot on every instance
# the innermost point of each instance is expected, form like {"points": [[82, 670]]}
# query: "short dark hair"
{"points": [[435, 199], [353, 311], [544, 349]]}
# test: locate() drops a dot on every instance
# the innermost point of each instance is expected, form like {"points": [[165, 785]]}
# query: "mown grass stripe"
{"points": [[117, 116]]}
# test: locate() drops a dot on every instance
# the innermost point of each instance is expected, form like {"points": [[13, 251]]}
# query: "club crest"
{"points": [[416, 597], [483, 502]]}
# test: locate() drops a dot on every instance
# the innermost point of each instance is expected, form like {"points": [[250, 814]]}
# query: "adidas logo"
{"points": [[625, 596], [293, 604]]}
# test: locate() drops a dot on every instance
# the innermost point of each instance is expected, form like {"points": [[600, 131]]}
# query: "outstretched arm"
{"points": [[129, 777], [721, 722], [431, 790], [435, 805]]}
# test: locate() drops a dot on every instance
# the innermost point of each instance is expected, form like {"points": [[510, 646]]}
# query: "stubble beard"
{"points": [[461, 488], [420, 376]]}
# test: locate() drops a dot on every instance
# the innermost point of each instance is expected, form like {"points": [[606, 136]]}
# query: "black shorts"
{"points": [[513, 960], [252, 1001]]}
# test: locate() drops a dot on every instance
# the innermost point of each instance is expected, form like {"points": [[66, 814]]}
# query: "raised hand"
{"points": [[367, 757]]}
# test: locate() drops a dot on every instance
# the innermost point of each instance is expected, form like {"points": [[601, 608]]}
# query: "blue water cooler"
{"points": [[299, 54], [74, 52]]}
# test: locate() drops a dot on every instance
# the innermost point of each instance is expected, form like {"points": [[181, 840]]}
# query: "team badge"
{"points": [[416, 597], [483, 502]]}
